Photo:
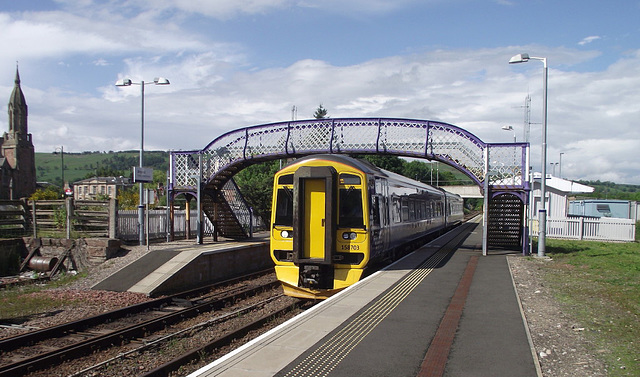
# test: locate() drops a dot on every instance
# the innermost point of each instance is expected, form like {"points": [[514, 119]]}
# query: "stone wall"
{"points": [[85, 252]]}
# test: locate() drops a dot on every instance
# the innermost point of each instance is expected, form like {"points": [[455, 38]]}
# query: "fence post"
{"points": [[250, 222], [113, 218], [33, 219], [581, 228], [69, 205]]}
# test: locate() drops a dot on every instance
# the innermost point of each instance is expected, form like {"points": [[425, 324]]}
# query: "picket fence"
{"points": [[592, 229], [157, 224]]}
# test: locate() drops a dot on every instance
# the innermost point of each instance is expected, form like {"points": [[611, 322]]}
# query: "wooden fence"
{"points": [[83, 218], [74, 218], [15, 219]]}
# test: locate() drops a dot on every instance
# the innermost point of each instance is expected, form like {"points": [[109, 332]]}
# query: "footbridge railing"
{"points": [[503, 163]]}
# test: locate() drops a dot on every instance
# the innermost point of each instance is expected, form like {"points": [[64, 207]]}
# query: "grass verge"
{"points": [[19, 304], [599, 284]]}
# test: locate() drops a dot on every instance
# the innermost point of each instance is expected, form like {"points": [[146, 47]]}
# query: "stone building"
{"points": [[96, 187], [17, 154]]}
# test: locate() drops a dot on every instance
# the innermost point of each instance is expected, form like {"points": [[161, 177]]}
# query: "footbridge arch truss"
{"points": [[498, 167]]}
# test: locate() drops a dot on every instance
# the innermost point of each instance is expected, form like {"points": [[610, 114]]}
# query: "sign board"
{"points": [[68, 191], [150, 196], [144, 175]]}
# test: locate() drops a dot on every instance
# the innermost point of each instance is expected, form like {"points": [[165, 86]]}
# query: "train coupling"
{"points": [[316, 276], [310, 276]]}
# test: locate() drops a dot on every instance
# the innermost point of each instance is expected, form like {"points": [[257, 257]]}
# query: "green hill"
{"points": [[610, 190], [78, 166]]}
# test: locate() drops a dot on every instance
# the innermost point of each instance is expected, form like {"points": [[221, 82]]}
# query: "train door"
{"points": [[314, 224], [382, 209], [314, 218]]}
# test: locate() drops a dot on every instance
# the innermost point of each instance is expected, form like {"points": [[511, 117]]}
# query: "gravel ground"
{"points": [[560, 345]]}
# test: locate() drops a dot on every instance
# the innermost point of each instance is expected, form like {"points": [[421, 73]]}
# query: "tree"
{"points": [[105, 171], [417, 170], [128, 198], [256, 184], [320, 113], [386, 162], [49, 193]]}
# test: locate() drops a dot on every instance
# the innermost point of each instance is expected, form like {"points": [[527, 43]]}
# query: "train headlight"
{"points": [[349, 236], [285, 234]]}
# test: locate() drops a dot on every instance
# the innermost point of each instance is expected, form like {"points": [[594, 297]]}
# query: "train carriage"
{"points": [[332, 216]]}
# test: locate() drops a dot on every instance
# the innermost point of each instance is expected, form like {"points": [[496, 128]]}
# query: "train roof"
{"points": [[362, 165], [368, 168]]}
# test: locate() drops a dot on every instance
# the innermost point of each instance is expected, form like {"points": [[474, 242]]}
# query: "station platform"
{"points": [[190, 265], [440, 311]]}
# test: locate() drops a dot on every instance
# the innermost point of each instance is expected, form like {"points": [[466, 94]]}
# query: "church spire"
{"points": [[17, 81], [18, 109]]}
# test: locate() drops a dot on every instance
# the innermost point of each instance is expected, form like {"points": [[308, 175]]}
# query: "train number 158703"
{"points": [[350, 247]]}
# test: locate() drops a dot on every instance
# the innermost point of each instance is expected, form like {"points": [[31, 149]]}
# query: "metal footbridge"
{"points": [[498, 168]]}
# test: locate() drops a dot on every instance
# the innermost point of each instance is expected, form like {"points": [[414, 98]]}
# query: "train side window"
{"points": [[405, 209], [284, 207], [375, 211], [350, 212], [395, 210], [286, 179], [412, 209]]}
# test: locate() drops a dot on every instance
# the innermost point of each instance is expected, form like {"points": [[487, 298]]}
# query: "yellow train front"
{"points": [[332, 215]]}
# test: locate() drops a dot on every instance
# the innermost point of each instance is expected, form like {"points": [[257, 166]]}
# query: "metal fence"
{"points": [[591, 229], [156, 224]]}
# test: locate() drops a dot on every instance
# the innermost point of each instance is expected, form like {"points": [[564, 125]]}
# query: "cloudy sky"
{"points": [[240, 63]]}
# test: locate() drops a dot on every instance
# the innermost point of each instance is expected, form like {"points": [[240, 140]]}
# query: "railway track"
{"points": [[44, 348]]}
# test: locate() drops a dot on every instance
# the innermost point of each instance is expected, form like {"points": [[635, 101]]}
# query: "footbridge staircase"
{"points": [[499, 169]]}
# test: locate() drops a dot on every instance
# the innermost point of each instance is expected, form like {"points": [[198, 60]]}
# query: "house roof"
{"points": [[563, 185], [105, 180]]}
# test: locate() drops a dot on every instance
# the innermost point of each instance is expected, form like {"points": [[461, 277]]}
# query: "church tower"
{"points": [[17, 154]]}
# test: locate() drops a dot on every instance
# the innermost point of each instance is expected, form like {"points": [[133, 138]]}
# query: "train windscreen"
{"points": [[350, 208], [284, 207]]}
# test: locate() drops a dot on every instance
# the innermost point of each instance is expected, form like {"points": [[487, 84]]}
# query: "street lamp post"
{"points": [[61, 165], [542, 213], [128, 82], [510, 128]]}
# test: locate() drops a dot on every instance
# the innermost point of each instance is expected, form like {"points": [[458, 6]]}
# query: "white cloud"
{"points": [[588, 40], [360, 6], [56, 34], [101, 62], [592, 117], [225, 9]]}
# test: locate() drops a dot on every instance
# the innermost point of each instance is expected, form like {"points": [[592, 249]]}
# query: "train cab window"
{"points": [[350, 215], [284, 207], [349, 179], [286, 179]]}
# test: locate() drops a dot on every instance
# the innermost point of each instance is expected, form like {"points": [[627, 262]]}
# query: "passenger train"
{"points": [[332, 216]]}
